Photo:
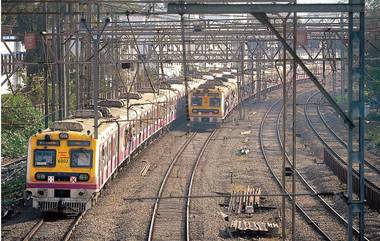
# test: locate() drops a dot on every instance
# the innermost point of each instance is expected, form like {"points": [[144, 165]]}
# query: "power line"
{"points": [[227, 195]]}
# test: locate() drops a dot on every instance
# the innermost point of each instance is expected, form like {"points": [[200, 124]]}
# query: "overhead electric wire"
{"points": [[228, 195]]}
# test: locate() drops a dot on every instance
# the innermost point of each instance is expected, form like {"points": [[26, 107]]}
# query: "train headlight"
{"points": [[40, 176], [41, 192], [83, 177], [81, 193]]}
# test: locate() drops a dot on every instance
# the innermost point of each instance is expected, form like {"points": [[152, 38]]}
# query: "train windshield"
{"points": [[44, 158], [81, 158], [196, 101], [215, 102]]}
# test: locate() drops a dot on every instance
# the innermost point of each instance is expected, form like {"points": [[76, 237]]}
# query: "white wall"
{"points": [[15, 47]]}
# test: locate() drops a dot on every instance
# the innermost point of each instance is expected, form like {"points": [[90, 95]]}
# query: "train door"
{"points": [[101, 164], [150, 128], [109, 155], [141, 132], [113, 156], [168, 105], [127, 140], [137, 132], [104, 163], [133, 137], [157, 119]]}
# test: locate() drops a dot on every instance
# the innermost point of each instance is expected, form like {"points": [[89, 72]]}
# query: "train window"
{"points": [[81, 158], [44, 158], [196, 101], [215, 102]]}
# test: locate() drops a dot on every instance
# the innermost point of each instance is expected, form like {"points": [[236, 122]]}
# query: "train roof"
{"points": [[219, 83], [121, 114]]}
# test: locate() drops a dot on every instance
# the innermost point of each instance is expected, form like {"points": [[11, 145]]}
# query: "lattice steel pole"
{"points": [[95, 39], [241, 79], [356, 113], [258, 71], [342, 62], [284, 95], [77, 68], [294, 120], [184, 66], [46, 70]]}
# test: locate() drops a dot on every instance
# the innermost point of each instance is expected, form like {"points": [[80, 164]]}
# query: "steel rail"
{"points": [[168, 171], [73, 226], [13, 162], [67, 234], [33, 231], [301, 211], [339, 139], [191, 185], [339, 158], [328, 206]]}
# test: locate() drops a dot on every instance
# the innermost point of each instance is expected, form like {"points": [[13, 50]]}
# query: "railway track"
{"points": [[61, 229], [308, 185], [374, 171], [273, 168], [339, 152], [16, 161], [170, 216], [313, 209], [12, 170]]}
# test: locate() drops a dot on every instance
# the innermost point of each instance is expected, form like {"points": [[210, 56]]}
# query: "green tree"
{"points": [[373, 85], [373, 53]]}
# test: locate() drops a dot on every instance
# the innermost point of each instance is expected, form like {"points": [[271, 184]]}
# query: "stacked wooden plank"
{"points": [[265, 228], [244, 200]]}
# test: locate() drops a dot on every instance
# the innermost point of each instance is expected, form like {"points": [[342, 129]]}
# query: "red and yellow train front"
{"points": [[61, 171], [205, 106]]}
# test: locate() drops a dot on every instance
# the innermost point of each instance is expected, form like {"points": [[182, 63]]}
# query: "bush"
{"points": [[373, 116], [19, 121]]}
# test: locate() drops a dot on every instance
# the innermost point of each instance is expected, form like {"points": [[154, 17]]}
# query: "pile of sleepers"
{"points": [[249, 228], [244, 200]]}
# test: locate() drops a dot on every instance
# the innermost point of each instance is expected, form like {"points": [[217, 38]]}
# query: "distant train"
{"points": [[211, 102], [67, 167]]}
